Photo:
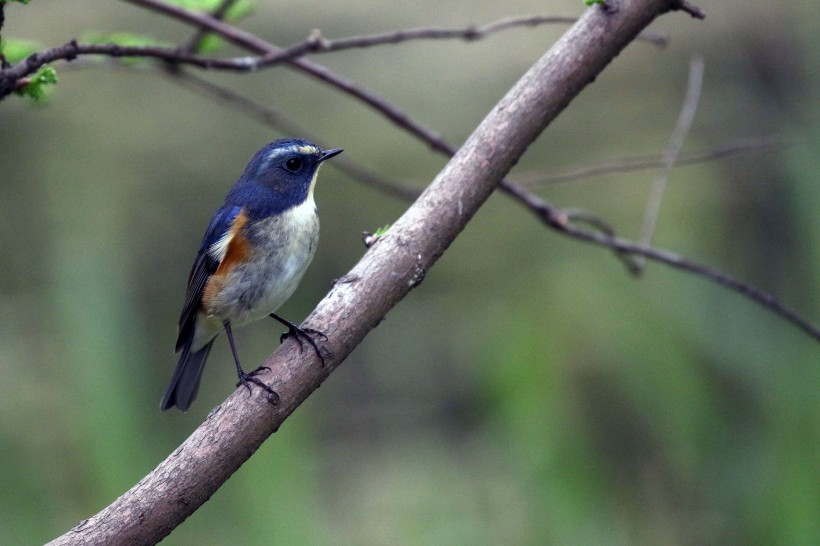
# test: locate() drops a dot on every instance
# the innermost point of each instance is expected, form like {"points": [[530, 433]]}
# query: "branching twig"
{"points": [[559, 221], [566, 217], [317, 42]]}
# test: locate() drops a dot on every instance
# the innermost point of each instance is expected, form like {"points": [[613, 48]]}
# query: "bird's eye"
{"points": [[293, 164]]}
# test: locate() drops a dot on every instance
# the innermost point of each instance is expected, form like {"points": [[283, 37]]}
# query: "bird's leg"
{"points": [[300, 333], [246, 378]]}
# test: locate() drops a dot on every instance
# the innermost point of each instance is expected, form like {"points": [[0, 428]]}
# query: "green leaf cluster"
{"points": [[38, 85]]}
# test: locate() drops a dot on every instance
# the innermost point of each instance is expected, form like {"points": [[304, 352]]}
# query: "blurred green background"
{"points": [[529, 392]]}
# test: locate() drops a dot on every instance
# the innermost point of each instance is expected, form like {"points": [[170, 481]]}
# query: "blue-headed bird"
{"points": [[253, 256]]}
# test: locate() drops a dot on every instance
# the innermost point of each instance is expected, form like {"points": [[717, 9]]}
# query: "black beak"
{"points": [[327, 154]]}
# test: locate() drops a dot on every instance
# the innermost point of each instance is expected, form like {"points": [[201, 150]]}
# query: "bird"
{"points": [[252, 257]]}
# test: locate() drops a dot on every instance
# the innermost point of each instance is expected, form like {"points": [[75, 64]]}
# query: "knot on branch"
{"points": [[472, 33], [316, 42], [72, 50]]}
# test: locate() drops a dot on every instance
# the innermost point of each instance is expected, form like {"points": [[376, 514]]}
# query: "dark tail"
{"points": [[185, 382]]}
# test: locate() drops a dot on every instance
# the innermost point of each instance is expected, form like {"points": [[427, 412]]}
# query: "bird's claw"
{"points": [[247, 378], [305, 333]]}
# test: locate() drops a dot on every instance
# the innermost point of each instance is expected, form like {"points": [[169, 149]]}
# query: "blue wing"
{"points": [[204, 266], [185, 381]]}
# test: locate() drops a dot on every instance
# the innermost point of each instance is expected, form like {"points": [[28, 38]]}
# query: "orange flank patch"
{"points": [[236, 253], [238, 248]]}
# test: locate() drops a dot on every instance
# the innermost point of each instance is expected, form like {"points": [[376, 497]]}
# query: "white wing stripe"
{"points": [[220, 247]]}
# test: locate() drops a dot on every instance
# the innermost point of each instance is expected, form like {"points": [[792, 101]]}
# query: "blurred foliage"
{"points": [[529, 392], [17, 50]]}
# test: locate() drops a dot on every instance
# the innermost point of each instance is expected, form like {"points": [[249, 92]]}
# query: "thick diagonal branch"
{"points": [[386, 273]]}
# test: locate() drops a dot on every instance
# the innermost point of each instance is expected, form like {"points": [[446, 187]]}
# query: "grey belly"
{"points": [[262, 284]]}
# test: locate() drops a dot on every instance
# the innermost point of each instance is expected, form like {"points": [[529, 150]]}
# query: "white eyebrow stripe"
{"points": [[307, 150], [295, 149]]}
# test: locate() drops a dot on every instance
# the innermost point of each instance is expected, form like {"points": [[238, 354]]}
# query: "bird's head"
{"points": [[285, 171]]}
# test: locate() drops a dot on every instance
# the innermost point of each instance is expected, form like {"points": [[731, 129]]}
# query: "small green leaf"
{"points": [[593, 2], [36, 87], [370, 239]]}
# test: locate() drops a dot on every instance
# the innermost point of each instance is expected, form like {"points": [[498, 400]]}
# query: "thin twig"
{"points": [[684, 123], [434, 33], [73, 49], [633, 164], [317, 43]]}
